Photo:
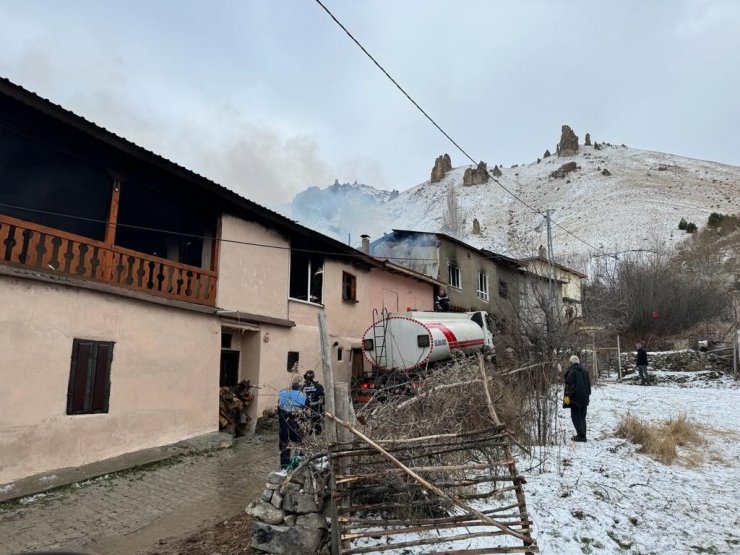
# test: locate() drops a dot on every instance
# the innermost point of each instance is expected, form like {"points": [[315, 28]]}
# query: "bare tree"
{"points": [[453, 220]]}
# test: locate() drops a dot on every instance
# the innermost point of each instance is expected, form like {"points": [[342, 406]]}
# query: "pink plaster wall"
{"points": [[164, 376]]}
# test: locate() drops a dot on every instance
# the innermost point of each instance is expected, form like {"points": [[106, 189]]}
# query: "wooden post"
{"points": [[735, 353], [329, 395], [619, 360], [596, 359], [110, 230], [330, 426]]}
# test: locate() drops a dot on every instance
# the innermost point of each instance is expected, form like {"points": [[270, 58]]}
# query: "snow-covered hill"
{"points": [[637, 206]]}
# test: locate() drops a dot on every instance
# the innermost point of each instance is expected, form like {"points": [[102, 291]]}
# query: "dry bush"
{"points": [[660, 441]]}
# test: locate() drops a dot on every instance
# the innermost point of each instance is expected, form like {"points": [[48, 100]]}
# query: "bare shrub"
{"points": [[660, 441]]}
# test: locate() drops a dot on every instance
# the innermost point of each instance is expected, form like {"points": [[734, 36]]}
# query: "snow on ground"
{"points": [[604, 497]]}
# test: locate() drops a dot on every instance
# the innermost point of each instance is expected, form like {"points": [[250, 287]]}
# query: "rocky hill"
{"points": [[614, 197]]}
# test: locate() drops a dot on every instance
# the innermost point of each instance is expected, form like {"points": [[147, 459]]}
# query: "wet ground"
{"points": [[140, 510]]}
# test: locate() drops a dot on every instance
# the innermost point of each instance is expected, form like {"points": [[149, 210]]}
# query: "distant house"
{"points": [[131, 288], [475, 279], [568, 285]]}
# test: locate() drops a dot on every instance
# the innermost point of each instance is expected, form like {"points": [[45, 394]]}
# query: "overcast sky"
{"points": [[268, 97]]}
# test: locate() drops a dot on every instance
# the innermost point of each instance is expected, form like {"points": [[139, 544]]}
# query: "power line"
{"points": [[221, 239], [439, 128]]}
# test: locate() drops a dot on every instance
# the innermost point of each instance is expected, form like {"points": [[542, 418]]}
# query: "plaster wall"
{"points": [[253, 279], [164, 376]]}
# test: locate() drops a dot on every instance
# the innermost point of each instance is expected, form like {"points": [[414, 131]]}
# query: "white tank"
{"points": [[408, 340]]}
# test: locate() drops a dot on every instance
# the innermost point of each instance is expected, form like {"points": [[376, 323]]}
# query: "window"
{"points": [[483, 286], [293, 357], [339, 354], [306, 277], [349, 287], [89, 377], [503, 289], [454, 276]]}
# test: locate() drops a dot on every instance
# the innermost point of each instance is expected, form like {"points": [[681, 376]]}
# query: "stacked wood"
{"points": [[234, 402]]}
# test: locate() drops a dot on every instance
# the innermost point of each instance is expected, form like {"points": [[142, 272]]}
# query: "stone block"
{"points": [[266, 495], [312, 520], [276, 477], [286, 540], [277, 500], [265, 512], [289, 520], [296, 502], [266, 425]]}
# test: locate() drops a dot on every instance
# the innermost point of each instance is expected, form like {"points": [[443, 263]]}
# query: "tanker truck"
{"points": [[400, 346]]}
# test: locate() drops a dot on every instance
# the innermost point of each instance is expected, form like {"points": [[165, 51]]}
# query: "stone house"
{"points": [[568, 285], [131, 289]]}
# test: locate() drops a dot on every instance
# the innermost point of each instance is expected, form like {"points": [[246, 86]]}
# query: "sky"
{"points": [[271, 97]]}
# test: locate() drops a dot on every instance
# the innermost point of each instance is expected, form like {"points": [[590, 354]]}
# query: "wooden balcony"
{"points": [[47, 250]]}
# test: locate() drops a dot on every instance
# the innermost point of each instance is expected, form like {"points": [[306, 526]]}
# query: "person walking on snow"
{"points": [[578, 388], [642, 364], [291, 402]]}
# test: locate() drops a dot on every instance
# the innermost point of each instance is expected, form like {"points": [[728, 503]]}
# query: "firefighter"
{"points": [[442, 304], [314, 393], [291, 403]]}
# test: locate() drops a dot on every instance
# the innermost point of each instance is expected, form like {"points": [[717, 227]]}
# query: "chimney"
{"points": [[365, 243]]}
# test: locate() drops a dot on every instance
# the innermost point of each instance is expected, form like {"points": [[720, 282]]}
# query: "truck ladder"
{"points": [[379, 337]]}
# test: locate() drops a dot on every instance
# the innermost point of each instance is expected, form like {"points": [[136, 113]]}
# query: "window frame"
{"points": [[351, 281], [456, 269], [95, 364], [294, 360], [482, 292], [312, 263]]}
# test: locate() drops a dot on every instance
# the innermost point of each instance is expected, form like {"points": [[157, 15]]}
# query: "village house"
{"points": [[568, 288], [476, 279], [132, 288]]}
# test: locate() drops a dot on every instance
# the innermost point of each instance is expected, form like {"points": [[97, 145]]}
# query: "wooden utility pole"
{"points": [[331, 427], [619, 360]]}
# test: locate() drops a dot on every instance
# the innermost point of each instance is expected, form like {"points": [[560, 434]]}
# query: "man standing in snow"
{"points": [[578, 388], [642, 364]]}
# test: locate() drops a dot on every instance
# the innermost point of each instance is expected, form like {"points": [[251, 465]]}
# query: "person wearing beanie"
{"points": [[578, 388]]}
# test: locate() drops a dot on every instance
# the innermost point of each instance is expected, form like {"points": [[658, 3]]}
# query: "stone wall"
{"points": [[686, 360], [291, 517]]}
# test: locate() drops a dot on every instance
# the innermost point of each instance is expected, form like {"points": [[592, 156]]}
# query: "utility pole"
{"points": [[550, 261]]}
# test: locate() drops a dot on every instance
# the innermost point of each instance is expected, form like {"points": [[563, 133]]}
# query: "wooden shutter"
{"points": [[101, 378], [82, 352]]}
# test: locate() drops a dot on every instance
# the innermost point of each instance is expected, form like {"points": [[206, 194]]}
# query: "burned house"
{"points": [[132, 288]]}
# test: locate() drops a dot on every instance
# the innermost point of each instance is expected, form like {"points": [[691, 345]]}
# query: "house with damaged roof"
{"points": [[132, 288]]}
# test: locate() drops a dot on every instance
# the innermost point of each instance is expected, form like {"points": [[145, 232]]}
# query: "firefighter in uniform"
{"points": [[314, 393], [291, 402]]}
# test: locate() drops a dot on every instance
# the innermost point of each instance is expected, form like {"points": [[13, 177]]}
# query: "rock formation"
{"points": [[587, 142], [476, 226], [496, 171], [442, 165], [476, 176], [568, 144], [547, 154], [597, 146], [564, 169], [605, 172]]}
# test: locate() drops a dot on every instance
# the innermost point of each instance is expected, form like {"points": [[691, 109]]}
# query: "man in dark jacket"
{"points": [[578, 388], [641, 362], [314, 392]]}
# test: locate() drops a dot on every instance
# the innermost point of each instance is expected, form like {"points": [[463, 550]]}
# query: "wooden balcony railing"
{"points": [[52, 251]]}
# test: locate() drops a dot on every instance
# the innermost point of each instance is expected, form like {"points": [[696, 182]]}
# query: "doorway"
{"points": [[229, 368]]}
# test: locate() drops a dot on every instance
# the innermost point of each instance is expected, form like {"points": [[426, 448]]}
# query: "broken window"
{"points": [[89, 378], [349, 287], [454, 276], [293, 357], [306, 277]]}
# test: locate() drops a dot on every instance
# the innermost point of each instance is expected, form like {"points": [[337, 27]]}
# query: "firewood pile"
{"points": [[233, 404]]}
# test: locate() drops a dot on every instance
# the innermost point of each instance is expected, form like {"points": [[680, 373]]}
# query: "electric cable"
{"points": [[439, 128]]}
